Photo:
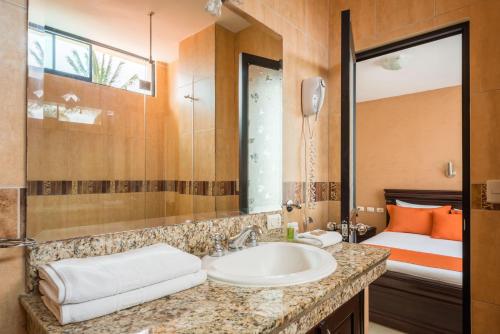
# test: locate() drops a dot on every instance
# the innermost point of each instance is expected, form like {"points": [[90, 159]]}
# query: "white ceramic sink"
{"points": [[271, 264]]}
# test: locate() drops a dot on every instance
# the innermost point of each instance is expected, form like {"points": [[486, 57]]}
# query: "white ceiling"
{"points": [[124, 24], [424, 67]]}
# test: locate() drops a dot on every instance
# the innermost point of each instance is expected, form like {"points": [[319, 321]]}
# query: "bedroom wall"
{"points": [[377, 22], [405, 142]]}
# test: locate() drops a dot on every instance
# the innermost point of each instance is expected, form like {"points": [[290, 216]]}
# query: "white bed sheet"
{"points": [[420, 243]]}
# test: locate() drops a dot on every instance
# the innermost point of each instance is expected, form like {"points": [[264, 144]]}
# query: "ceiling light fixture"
{"points": [[214, 7]]}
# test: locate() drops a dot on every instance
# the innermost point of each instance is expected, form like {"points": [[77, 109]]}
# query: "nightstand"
{"points": [[372, 230]]}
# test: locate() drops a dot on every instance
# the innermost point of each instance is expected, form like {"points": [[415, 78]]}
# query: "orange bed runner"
{"points": [[424, 259]]}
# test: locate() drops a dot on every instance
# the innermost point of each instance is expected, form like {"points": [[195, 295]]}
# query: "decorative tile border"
{"points": [[202, 188], [325, 191], [10, 212], [478, 194]]}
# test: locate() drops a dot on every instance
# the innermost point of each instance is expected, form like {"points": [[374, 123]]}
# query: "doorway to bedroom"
{"points": [[405, 172]]}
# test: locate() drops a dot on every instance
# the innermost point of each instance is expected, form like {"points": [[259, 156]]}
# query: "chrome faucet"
{"points": [[247, 233], [355, 227]]}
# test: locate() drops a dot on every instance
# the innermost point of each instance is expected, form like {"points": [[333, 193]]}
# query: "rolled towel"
{"points": [[70, 313], [79, 280], [320, 238]]}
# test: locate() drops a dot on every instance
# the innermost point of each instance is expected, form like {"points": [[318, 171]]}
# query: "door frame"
{"points": [[347, 55], [456, 29]]}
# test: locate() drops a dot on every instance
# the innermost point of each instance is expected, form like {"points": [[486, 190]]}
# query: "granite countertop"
{"points": [[218, 308]]}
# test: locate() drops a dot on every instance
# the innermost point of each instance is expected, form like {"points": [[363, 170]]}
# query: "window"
{"points": [[38, 42], [76, 57], [71, 56], [121, 71]]}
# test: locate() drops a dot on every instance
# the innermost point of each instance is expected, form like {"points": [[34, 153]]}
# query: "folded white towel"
{"points": [[320, 238], [80, 280], [70, 313]]}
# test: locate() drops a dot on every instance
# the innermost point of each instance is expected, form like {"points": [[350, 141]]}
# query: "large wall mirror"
{"points": [[138, 116]]}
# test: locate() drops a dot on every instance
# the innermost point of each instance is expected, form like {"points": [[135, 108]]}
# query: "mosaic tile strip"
{"points": [[325, 191], [223, 188], [334, 194], [86, 187], [478, 195], [9, 214]]}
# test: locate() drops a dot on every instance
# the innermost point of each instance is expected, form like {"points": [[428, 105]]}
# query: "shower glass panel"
{"points": [[264, 139], [86, 140]]}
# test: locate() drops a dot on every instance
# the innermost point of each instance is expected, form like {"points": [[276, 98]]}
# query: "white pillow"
{"points": [[417, 206]]}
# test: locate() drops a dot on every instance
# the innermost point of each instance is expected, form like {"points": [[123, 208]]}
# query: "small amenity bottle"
{"points": [[292, 230]]}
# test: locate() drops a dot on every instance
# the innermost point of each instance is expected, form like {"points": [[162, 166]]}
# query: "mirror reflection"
{"points": [[137, 117]]}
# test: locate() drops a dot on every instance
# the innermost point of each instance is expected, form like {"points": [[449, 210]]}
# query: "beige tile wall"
{"points": [[376, 22], [303, 25], [12, 158], [126, 143], [226, 109], [195, 75]]}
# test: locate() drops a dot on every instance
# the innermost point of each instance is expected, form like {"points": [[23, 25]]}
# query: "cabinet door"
{"points": [[348, 319]]}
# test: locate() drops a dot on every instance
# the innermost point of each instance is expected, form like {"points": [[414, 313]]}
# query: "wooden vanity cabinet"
{"points": [[348, 319]]}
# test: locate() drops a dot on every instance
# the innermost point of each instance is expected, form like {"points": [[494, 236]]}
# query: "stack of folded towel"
{"points": [[320, 238], [80, 289]]}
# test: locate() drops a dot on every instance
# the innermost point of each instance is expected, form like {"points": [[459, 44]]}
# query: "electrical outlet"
{"points": [[361, 208], [273, 221], [380, 210], [370, 209]]}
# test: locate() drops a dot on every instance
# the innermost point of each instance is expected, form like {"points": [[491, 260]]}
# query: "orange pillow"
{"points": [[412, 220], [447, 226]]}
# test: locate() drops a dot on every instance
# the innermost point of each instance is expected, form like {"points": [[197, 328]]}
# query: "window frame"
{"points": [[53, 32]]}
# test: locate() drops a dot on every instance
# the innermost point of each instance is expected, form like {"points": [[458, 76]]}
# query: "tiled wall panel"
{"points": [[303, 24], [12, 158]]}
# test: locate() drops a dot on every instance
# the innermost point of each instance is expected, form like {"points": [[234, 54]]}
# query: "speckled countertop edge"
{"points": [[218, 308]]}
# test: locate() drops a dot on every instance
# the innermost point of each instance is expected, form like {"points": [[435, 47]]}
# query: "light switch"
{"points": [[493, 191], [273, 221]]}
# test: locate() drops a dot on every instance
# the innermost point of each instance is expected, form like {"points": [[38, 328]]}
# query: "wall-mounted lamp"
{"points": [[450, 170]]}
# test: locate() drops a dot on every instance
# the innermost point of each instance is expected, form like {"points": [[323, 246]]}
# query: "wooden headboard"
{"points": [[428, 197]]}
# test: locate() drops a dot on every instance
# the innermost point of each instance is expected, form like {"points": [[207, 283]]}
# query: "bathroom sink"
{"points": [[271, 264]]}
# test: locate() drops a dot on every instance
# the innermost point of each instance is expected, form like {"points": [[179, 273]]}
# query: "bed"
{"points": [[414, 298]]}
